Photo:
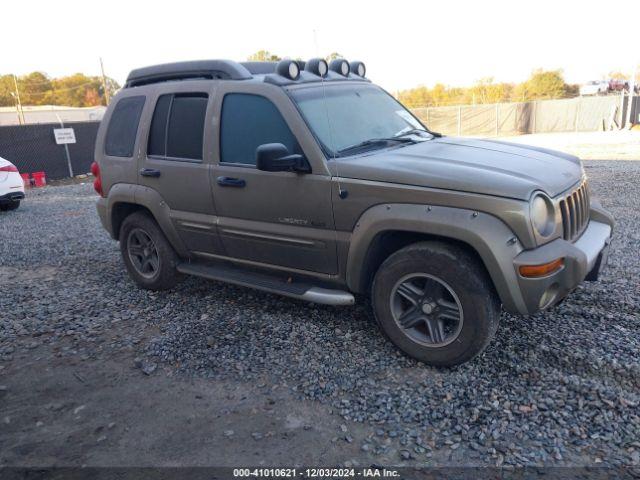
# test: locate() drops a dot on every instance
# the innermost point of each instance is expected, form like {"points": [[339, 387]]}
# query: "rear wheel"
{"points": [[147, 254], [436, 303], [10, 206]]}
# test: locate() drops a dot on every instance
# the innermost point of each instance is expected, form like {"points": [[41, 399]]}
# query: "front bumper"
{"points": [[583, 259]]}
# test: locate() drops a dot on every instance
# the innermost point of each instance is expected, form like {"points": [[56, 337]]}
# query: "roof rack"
{"points": [[205, 69]]}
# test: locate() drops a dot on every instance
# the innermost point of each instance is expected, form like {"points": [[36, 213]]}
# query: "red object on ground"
{"points": [[26, 180], [39, 178]]}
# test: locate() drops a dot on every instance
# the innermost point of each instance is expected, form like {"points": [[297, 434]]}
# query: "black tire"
{"points": [[462, 285], [5, 207], [164, 274]]}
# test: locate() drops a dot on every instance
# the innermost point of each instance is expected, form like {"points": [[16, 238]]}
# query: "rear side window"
{"points": [[123, 127], [177, 126], [248, 121]]}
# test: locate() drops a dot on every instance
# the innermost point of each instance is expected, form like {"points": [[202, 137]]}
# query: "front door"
{"points": [[277, 218]]}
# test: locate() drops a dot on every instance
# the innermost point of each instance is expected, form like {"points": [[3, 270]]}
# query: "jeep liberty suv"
{"points": [[306, 180]]}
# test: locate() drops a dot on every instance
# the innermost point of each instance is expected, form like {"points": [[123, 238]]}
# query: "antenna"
{"points": [[341, 193]]}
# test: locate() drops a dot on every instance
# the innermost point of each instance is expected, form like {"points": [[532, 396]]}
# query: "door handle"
{"points": [[150, 172], [231, 182]]}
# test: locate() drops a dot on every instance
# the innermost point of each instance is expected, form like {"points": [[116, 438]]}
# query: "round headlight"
{"points": [[340, 66], [288, 68], [542, 215], [317, 66], [358, 68], [293, 70]]}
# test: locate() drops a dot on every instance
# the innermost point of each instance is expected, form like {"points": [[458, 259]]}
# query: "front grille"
{"points": [[575, 212]]}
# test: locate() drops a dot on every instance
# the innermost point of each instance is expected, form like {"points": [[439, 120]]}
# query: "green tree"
{"points": [[7, 90], [35, 89], [333, 56], [543, 84], [77, 90]]}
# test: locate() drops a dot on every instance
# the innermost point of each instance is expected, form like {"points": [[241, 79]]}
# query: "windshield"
{"points": [[344, 116]]}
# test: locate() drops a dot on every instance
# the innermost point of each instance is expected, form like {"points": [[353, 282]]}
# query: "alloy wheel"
{"points": [[426, 309], [143, 253]]}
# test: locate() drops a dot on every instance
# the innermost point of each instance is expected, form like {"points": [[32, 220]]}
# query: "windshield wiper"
{"points": [[414, 131], [376, 141]]}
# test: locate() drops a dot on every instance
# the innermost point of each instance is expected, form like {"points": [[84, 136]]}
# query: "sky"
{"points": [[403, 43]]}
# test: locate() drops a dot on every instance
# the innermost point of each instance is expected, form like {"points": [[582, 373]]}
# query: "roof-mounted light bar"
{"points": [[287, 72]]}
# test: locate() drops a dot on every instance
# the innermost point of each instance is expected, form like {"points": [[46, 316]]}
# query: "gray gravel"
{"points": [[556, 388]]}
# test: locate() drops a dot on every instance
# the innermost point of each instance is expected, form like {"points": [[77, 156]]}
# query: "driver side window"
{"points": [[248, 121]]}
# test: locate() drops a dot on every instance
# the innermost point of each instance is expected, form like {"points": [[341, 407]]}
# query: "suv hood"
{"points": [[479, 166]]}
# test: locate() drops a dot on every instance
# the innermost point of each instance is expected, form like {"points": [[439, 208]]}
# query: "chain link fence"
{"points": [[33, 148], [582, 114]]}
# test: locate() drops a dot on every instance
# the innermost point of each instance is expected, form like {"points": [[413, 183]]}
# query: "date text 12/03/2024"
{"points": [[315, 473]]}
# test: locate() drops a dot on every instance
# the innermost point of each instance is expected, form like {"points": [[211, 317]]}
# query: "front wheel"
{"points": [[436, 303]]}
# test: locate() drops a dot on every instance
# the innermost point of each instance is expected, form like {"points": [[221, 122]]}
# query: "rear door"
{"points": [[175, 164]]}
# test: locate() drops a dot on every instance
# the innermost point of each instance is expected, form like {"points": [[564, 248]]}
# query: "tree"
{"points": [[35, 89], [264, 56], [333, 56], [72, 90], [7, 90], [618, 76], [543, 85], [487, 91]]}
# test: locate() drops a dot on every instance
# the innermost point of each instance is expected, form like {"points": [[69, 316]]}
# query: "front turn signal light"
{"points": [[537, 271]]}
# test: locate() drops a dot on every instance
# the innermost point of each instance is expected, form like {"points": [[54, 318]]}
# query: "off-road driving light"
{"points": [[542, 215], [288, 69], [537, 271], [358, 68], [340, 66], [317, 66]]}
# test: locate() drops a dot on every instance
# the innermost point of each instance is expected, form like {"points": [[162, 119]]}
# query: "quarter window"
{"points": [[177, 126], [123, 127], [248, 121]]}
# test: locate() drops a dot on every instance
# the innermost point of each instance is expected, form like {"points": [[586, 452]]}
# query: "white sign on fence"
{"points": [[64, 135]]}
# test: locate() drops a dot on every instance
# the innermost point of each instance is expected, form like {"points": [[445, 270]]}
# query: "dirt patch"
{"points": [[113, 414]]}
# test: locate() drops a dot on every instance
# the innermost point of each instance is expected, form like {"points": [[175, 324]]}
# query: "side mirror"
{"points": [[274, 157]]}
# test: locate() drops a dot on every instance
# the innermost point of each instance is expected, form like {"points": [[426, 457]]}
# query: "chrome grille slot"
{"points": [[574, 209]]}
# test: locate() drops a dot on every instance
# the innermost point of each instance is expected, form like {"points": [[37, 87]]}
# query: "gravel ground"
{"points": [[556, 388]]}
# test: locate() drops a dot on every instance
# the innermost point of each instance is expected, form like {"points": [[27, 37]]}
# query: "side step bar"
{"points": [[268, 283]]}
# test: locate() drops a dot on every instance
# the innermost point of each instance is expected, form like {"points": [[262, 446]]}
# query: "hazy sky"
{"points": [[403, 43]]}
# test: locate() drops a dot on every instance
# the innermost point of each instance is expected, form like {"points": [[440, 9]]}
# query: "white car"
{"points": [[11, 186], [595, 87]]}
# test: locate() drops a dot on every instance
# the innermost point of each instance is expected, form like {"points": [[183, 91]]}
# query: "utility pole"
{"points": [[19, 104], [104, 83], [632, 86]]}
